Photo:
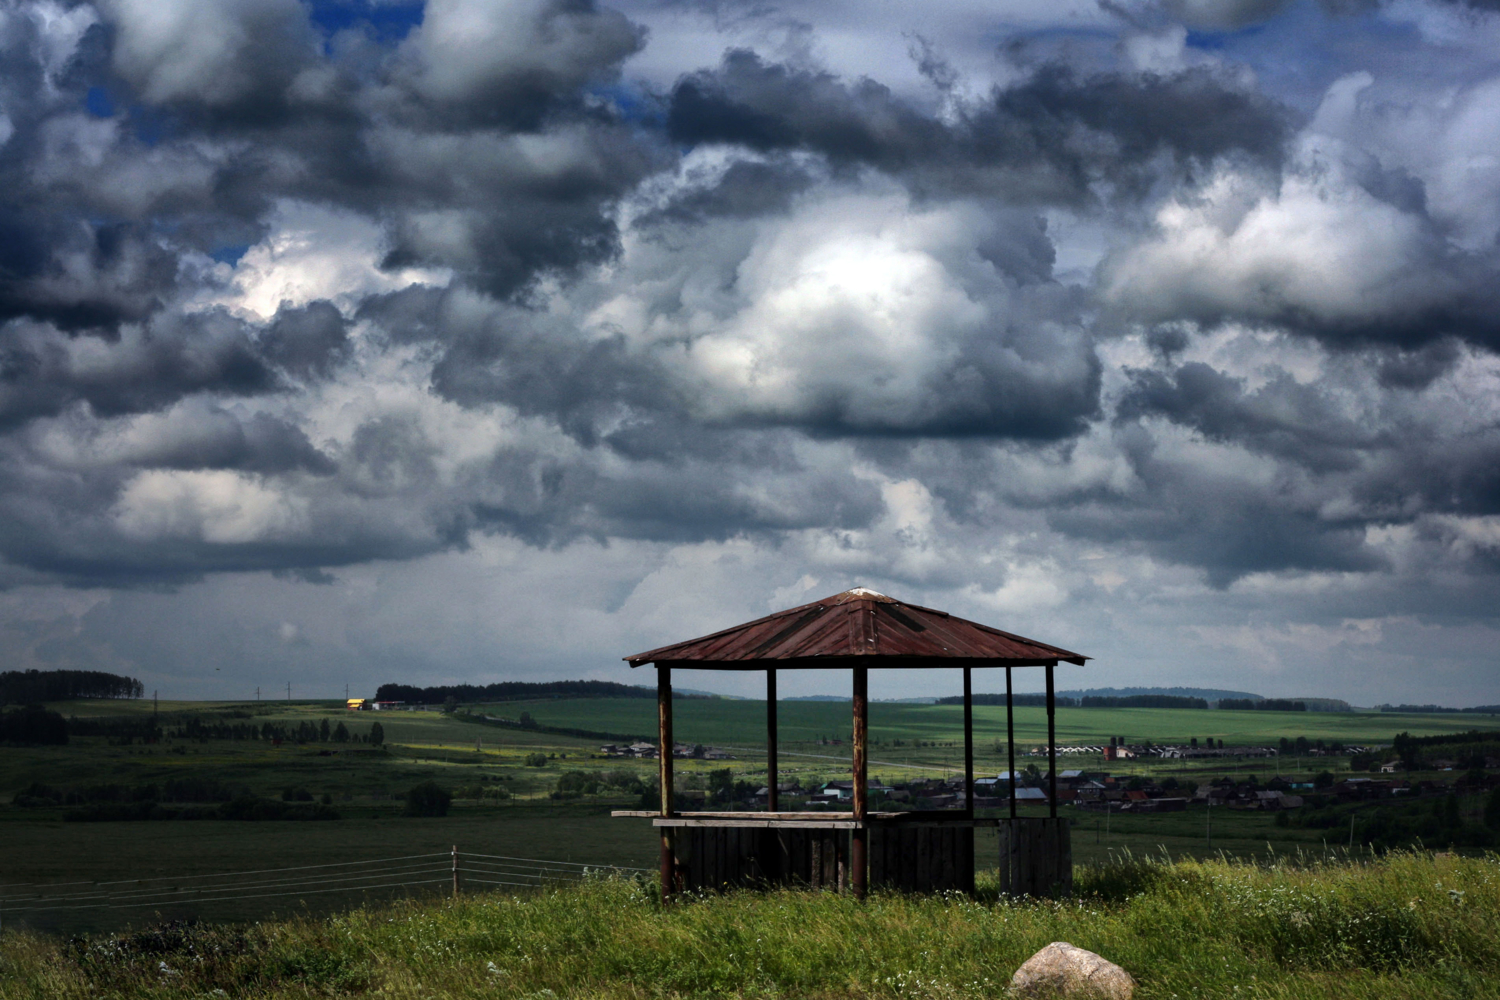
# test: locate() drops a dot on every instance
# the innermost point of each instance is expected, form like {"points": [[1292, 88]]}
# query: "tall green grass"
{"points": [[1406, 925]]}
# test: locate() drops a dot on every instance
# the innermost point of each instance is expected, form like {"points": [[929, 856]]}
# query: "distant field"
{"points": [[730, 721], [366, 784]]}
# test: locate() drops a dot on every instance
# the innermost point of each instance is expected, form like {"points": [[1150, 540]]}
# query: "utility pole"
{"points": [[257, 692], [288, 690]]}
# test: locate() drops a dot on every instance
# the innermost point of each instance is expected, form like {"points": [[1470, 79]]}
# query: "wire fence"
{"points": [[438, 871]]}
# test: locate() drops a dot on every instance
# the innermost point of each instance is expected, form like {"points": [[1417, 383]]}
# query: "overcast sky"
{"points": [[357, 341]]}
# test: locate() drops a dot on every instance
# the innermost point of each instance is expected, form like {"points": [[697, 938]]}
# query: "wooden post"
{"points": [[664, 770], [455, 871], [969, 742], [1051, 747], [859, 836], [1010, 739], [773, 801]]}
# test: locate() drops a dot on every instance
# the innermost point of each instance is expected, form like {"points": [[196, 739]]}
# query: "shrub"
{"points": [[428, 799], [535, 760]]}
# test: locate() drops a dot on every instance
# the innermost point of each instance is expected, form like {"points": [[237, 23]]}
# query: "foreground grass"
{"points": [[1407, 925]]}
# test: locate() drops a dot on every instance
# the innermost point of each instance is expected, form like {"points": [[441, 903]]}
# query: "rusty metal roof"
{"points": [[858, 627]]}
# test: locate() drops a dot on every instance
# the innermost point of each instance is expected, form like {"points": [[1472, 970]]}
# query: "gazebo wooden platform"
{"points": [[916, 851]]}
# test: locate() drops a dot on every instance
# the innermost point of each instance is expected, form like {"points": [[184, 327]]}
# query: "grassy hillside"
{"points": [[1405, 926]]}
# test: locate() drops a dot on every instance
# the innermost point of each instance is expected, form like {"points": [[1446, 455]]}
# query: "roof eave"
{"points": [[845, 661]]}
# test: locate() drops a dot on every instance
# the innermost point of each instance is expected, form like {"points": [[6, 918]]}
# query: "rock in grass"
{"points": [[1063, 970]]}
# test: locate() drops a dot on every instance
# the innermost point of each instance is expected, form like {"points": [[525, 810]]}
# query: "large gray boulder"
{"points": [[1063, 970]]}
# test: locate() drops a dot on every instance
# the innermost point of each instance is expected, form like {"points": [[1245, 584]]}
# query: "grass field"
{"points": [[365, 784], [1402, 927]]}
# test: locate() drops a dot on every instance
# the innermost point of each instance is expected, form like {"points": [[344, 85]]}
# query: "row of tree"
{"points": [[24, 687]]}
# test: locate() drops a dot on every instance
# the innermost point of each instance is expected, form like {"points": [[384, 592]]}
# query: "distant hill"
{"points": [[1207, 694]]}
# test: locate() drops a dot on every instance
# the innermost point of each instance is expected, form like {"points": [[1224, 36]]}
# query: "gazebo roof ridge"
{"points": [[857, 625]]}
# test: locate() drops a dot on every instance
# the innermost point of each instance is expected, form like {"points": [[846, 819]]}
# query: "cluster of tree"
{"points": [[1326, 704], [1469, 748], [572, 784], [33, 726], [26, 686], [428, 799], [1437, 709], [1446, 821], [482, 789], [1142, 701], [469, 694], [1264, 705]]}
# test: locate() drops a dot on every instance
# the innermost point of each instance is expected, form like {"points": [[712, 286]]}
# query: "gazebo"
{"points": [[916, 850]]}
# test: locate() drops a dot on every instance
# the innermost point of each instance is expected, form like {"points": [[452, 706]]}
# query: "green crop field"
{"points": [[730, 721]]}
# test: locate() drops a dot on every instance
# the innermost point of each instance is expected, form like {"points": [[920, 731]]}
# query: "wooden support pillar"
{"points": [[773, 802], [1010, 739], [1051, 746], [664, 771], [860, 836], [969, 742]]}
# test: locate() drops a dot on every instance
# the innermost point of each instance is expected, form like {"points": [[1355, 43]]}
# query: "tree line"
{"points": [[21, 687], [1264, 705]]}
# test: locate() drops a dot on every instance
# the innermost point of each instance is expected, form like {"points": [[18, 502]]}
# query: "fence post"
{"points": [[455, 871]]}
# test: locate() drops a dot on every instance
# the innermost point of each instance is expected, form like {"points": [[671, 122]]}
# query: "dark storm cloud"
{"points": [[746, 190], [142, 368], [1228, 527], [306, 341], [1283, 417], [218, 439], [1050, 136]]}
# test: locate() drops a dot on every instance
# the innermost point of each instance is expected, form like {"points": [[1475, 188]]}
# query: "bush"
{"points": [[535, 760], [377, 734], [575, 783], [428, 799]]}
